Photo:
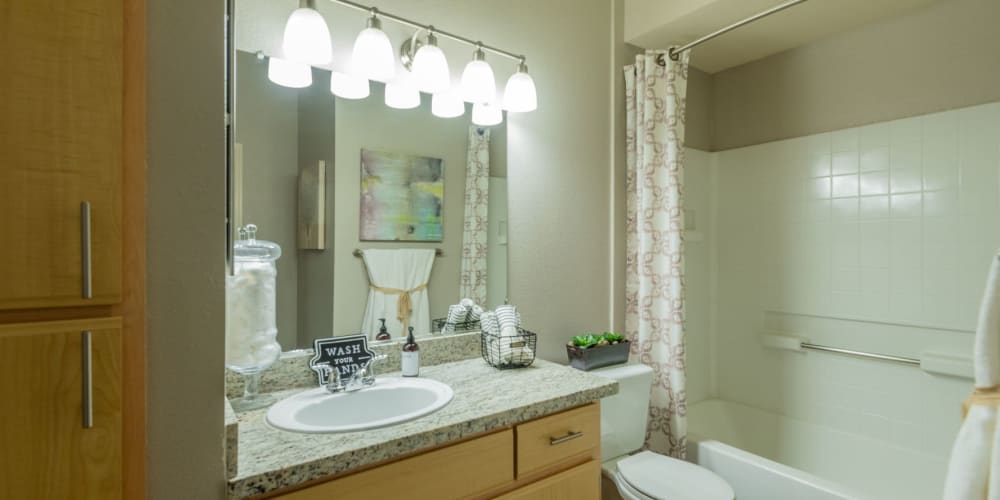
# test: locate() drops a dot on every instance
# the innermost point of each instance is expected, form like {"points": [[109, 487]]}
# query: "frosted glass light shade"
{"points": [[478, 84], [486, 114], [519, 96], [373, 56], [447, 105], [307, 38], [430, 68], [401, 95], [349, 86], [289, 73]]}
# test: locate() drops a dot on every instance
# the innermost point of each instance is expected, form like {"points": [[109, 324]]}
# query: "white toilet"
{"points": [[646, 475]]}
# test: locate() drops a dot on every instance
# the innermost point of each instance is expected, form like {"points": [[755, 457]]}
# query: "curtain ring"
{"points": [[674, 55], [660, 61]]}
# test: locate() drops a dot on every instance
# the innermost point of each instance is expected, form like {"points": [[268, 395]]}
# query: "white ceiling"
{"points": [[657, 24]]}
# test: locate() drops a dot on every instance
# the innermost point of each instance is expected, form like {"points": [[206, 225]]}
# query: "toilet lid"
{"points": [[671, 479]]}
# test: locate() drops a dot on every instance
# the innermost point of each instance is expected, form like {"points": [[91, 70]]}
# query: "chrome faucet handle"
{"points": [[364, 376], [333, 381]]}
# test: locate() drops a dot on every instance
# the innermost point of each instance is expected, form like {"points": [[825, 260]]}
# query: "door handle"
{"points": [[85, 254], [86, 339]]}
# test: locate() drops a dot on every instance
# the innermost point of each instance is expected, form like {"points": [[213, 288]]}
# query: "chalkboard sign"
{"points": [[346, 354]]}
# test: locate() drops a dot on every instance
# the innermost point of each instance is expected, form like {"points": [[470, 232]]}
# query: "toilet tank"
{"points": [[623, 416]]}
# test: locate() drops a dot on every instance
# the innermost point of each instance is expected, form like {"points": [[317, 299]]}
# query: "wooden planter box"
{"points": [[597, 356]]}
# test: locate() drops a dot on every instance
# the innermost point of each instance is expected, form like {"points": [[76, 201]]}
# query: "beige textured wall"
{"points": [[185, 249], [940, 57]]}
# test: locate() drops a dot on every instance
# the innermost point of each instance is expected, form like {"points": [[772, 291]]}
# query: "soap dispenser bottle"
{"points": [[383, 332], [411, 356]]}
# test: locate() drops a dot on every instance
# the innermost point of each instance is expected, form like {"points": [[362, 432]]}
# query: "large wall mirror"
{"points": [[325, 177]]}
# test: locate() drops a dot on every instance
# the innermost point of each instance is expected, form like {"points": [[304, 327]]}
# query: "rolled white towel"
{"points": [[476, 313], [489, 324]]}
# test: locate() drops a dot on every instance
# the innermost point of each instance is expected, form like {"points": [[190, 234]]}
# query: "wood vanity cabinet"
{"points": [[61, 425], [61, 98], [556, 457], [72, 248]]}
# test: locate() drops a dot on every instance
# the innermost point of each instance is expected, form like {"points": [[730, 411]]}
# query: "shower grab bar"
{"points": [[936, 363], [861, 354]]}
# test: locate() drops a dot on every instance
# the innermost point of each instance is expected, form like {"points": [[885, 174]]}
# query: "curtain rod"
{"points": [[675, 52], [428, 27]]}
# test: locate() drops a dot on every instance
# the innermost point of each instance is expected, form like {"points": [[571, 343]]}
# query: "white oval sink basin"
{"points": [[389, 401]]}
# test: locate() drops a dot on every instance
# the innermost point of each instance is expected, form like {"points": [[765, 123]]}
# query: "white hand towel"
{"points": [[974, 470]]}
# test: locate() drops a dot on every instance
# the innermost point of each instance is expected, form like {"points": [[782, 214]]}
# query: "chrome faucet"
{"points": [[364, 376], [333, 381]]}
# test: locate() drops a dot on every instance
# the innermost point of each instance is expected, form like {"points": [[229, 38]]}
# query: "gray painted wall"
{"points": [[185, 249]]}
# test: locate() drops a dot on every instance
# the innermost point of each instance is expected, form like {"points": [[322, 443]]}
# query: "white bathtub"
{"points": [[765, 456]]}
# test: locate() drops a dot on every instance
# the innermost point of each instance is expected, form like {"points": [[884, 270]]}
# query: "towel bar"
{"points": [[437, 252]]}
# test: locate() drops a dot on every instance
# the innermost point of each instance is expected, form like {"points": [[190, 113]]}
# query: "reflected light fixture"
{"points": [[349, 85], [447, 105], [430, 66], [486, 114], [478, 84], [307, 37], [373, 56], [287, 73], [519, 95], [401, 93]]}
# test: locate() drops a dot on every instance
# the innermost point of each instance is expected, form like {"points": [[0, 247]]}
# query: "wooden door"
{"points": [[47, 452], [60, 147]]}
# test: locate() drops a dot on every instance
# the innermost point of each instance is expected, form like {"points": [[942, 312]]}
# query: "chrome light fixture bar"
{"points": [[427, 27]]}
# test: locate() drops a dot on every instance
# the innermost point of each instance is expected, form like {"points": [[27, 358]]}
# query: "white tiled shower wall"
{"points": [[873, 238]]}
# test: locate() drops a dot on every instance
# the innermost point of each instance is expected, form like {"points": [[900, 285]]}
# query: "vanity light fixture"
{"points": [[430, 66], [287, 73], [447, 105], [307, 37], [373, 56], [306, 43], [478, 83], [519, 95], [486, 114], [349, 85]]}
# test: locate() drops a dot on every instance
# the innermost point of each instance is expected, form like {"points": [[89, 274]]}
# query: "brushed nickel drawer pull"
{"points": [[88, 386], [85, 258], [568, 437]]}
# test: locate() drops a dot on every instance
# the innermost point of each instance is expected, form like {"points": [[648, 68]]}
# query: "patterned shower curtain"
{"points": [[472, 283], [655, 90]]}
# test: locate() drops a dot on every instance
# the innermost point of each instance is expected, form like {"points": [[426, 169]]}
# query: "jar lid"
{"points": [[248, 248]]}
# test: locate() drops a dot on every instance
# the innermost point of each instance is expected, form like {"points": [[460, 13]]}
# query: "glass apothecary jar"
{"points": [[251, 329]]}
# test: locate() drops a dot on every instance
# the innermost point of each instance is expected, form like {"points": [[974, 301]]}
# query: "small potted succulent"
{"points": [[590, 351]]}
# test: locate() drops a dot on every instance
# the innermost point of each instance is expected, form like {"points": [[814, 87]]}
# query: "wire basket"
{"points": [[509, 352], [459, 326]]}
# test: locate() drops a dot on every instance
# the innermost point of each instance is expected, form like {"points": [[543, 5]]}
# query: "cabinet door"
{"points": [[582, 482], [60, 147], [48, 450]]}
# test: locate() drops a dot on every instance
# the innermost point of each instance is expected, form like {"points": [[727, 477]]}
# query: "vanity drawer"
{"points": [[556, 438], [457, 471]]}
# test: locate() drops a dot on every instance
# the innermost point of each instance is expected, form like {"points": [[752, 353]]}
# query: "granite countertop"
{"points": [[485, 399]]}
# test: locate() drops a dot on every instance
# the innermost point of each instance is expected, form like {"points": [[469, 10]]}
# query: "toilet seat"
{"points": [[648, 475]]}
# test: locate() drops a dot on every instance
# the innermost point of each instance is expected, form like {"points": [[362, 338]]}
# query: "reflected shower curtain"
{"points": [[655, 90], [472, 282]]}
